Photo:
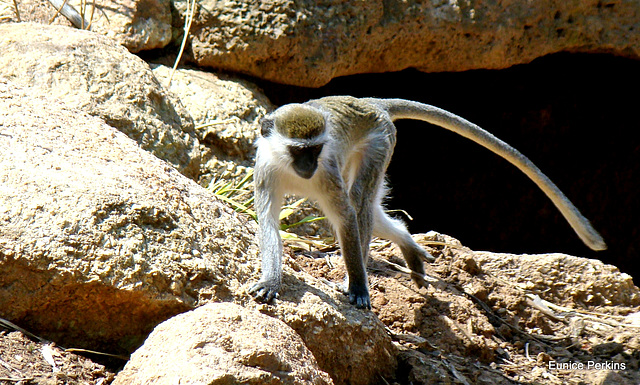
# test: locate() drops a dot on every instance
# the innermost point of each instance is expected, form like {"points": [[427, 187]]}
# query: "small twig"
{"points": [[191, 10], [68, 11], [459, 376], [78, 350], [328, 261], [15, 8], [93, 10], [379, 243], [9, 379], [9, 367], [428, 278], [541, 304], [217, 122], [10, 325], [83, 9], [536, 302], [399, 211], [334, 286], [526, 351]]}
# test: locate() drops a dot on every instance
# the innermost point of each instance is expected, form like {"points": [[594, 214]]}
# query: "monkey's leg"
{"points": [[396, 231], [336, 205], [366, 190], [344, 218], [357, 284]]}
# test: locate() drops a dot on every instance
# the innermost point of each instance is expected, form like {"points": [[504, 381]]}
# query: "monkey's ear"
{"points": [[267, 126]]}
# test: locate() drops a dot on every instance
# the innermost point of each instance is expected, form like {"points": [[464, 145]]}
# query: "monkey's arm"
{"points": [[405, 109], [268, 203]]}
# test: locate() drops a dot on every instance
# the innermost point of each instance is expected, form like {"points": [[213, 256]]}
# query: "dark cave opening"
{"points": [[574, 115]]}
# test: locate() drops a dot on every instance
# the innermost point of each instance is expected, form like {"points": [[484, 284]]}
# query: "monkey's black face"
{"points": [[305, 159]]}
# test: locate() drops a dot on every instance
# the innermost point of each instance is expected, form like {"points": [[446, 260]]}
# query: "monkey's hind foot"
{"points": [[361, 301], [265, 292], [359, 297]]}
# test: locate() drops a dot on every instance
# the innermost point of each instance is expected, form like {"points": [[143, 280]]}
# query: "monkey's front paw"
{"points": [[265, 291], [359, 297]]}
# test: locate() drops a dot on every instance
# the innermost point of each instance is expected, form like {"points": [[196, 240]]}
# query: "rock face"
{"points": [[308, 43], [100, 240], [564, 278], [92, 73], [226, 111], [222, 343], [349, 344], [136, 24]]}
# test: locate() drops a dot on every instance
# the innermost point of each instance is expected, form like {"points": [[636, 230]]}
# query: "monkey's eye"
{"points": [[316, 150], [312, 151]]}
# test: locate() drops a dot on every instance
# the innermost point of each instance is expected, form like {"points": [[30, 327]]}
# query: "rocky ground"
{"points": [[485, 319], [25, 361], [503, 319]]}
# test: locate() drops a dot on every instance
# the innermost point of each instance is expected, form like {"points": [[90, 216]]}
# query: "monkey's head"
{"points": [[302, 130]]}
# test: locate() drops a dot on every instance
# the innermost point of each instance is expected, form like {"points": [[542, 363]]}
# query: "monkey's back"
{"points": [[353, 119]]}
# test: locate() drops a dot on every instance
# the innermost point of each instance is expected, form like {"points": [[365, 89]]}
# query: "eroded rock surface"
{"points": [[226, 111], [99, 239], [309, 43], [92, 73]]}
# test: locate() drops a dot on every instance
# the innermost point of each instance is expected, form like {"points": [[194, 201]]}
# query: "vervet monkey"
{"points": [[335, 150]]}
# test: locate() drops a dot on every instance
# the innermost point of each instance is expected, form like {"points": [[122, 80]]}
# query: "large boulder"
{"points": [[99, 239], [309, 43], [136, 24], [350, 344], [564, 279], [223, 343], [92, 73]]}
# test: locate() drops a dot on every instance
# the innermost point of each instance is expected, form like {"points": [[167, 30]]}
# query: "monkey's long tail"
{"points": [[405, 109]]}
